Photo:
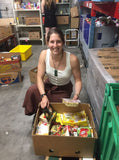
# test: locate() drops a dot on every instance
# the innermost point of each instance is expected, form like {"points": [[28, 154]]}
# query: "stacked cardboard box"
{"points": [[5, 27], [5, 31], [33, 35], [62, 19], [10, 68], [32, 21], [74, 18]]}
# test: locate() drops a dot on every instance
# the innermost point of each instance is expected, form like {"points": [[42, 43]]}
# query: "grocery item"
{"points": [[42, 128], [71, 102], [77, 118], [84, 132]]}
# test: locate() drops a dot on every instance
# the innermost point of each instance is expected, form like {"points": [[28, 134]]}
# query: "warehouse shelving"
{"points": [[22, 30], [89, 40], [107, 8], [62, 9]]}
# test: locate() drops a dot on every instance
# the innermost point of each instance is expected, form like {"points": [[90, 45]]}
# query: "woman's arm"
{"points": [[40, 81], [42, 6], [75, 65]]}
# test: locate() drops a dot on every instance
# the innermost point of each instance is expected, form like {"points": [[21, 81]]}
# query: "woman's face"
{"points": [[55, 44]]}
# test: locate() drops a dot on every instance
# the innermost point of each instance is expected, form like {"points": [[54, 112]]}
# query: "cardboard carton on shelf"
{"points": [[74, 12], [65, 146], [75, 23], [62, 19], [33, 35], [32, 20]]}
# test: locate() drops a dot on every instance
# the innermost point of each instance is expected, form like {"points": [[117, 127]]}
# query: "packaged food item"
{"points": [[71, 102], [66, 131], [43, 118], [59, 118], [56, 129], [74, 131], [42, 128], [84, 132], [60, 130], [77, 118]]}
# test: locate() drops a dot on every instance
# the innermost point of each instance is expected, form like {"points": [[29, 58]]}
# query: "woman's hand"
{"points": [[44, 102], [76, 96]]}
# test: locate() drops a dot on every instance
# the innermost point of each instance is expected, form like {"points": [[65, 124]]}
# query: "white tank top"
{"points": [[63, 76]]}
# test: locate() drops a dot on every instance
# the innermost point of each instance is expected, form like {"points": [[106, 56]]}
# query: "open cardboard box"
{"points": [[10, 66], [33, 75], [63, 146]]}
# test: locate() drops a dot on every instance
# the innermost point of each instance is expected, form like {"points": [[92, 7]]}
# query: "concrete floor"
{"points": [[15, 127]]}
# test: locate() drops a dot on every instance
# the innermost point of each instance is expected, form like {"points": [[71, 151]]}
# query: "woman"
{"points": [[48, 8], [59, 65]]}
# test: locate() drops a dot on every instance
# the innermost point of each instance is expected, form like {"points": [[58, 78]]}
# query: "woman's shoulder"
{"points": [[72, 56], [43, 54], [43, 51], [73, 59]]}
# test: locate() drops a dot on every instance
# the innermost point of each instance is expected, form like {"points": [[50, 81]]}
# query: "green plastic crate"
{"points": [[109, 124]]}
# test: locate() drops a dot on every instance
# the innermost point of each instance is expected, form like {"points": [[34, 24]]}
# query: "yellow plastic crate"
{"points": [[24, 50]]}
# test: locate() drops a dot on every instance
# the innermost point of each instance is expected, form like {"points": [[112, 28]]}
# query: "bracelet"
{"points": [[77, 95], [42, 95]]}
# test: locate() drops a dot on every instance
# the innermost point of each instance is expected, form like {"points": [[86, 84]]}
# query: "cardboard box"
{"points": [[32, 20], [75, 23], [10, 66], [33, 75], [63, 146], [74, 12], [2, 34], [10, 78], [62, 19], [5, 31], [34, 35], [6, 21]]}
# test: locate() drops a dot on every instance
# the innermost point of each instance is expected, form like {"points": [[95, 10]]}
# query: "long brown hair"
{"points": [[49, 2], [56, 31]]}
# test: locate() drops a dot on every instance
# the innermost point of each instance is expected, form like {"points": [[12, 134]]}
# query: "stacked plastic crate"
{"points": [[109, 126]]}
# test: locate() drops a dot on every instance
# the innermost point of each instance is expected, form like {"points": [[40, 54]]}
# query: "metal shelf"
{"points": [[27, 38], [107, 8], [21, 27], [63, 3], [26, 10], [72, 39], [28, 25]]}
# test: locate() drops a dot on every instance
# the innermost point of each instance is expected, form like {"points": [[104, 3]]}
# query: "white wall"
{"points": [[6, 13]]}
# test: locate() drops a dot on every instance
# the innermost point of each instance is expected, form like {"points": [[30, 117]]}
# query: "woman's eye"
{"points": [[51, 41], [57, 42]]}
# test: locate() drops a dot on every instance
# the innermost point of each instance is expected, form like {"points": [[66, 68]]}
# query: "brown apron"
{"points": [[54, 94]]}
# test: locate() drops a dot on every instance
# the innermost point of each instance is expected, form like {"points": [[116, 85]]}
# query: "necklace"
{"points": [[56, 67]]}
